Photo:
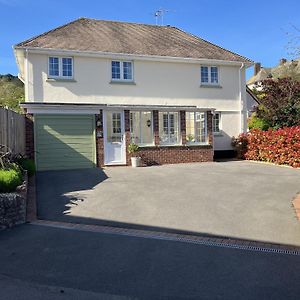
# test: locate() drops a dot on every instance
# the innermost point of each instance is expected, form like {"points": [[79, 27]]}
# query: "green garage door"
{"points": [[64, 142]]}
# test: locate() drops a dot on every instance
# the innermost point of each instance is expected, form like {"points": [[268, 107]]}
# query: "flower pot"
{"points": [[135, 162]]}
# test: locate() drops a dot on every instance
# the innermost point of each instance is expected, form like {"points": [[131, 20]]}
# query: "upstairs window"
{"points": [[60, 67], [209, 75], [121, 70]]}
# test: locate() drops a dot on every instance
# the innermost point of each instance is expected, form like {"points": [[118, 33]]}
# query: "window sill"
{"points": [[218, 134], [197, 144], [60, 80], [146, 145], [217, 86], [122, 82]]}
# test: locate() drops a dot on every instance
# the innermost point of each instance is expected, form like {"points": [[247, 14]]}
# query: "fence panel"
{"points": [[12, 130]]}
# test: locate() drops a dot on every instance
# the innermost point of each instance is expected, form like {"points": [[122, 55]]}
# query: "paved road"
{"points": [[42, 261], [236, 199]]}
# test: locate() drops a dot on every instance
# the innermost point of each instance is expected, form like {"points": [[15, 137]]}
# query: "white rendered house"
{"points": [[93, 87]]}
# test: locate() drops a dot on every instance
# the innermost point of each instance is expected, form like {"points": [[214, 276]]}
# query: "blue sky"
{"points": [[255, 29]]}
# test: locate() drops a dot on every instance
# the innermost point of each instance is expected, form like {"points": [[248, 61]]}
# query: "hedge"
{"points": [[280, 146]]}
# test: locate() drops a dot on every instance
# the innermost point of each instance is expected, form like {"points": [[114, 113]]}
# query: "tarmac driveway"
{"points": [[235, 199]]}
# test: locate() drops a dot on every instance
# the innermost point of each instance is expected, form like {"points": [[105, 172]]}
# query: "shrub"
{"points": [[9, 180], [27, 164], [257, 123], [132, 148], [280, 146]]}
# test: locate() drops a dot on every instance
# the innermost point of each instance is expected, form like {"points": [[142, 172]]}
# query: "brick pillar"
{"points": [[183, 127], [209, 128], [99, 139], [29, 136], [127, 134], [156, 127]]}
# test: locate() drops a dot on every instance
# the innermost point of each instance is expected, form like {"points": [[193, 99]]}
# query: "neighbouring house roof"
{"points": [[287, 69], [129, 38], [254, 97]]}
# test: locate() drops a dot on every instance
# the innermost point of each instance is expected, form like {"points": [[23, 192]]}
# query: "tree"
{"points": [[280, 102], [11, 92]]}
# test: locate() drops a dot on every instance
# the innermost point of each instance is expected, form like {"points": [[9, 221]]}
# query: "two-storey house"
{"points": [[93, 87]]}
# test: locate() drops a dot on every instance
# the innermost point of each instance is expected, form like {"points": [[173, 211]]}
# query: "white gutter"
{"points": [[241, 100], [112, 55], [26, 73]]}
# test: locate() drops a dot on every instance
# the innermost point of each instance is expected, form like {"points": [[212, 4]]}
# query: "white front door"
{"points": [[114, 138]]}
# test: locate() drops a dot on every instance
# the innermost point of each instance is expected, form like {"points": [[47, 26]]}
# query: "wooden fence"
{"points": [[12, 130]]}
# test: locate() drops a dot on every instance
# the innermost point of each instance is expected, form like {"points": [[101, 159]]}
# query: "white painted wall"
{"points": [[156, 83]]}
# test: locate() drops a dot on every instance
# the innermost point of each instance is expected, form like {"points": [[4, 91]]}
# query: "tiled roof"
{"points": [[129, 38]]}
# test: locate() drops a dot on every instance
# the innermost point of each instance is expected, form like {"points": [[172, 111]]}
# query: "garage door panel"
{"points": [[64, 142]]}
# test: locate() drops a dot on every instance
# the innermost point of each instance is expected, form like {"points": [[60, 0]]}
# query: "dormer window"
{"points": [[209, 75], [121, 71], [60, 67]]}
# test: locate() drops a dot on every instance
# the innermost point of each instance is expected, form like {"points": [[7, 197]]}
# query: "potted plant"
{"points": [[135, 160]]}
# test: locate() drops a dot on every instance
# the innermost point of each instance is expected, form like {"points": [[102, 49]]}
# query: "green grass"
{"points": [[9, 180]]}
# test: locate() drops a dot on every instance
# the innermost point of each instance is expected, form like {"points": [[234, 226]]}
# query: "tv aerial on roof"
{"points": [[159, 15]]}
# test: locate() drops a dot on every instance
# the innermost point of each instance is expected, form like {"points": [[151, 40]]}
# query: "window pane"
{"points": [[115, 70], [53, 66], [214, 75], [200, 130], [216, 122], [168, 127], [67, 67], [127, 70], [114, 129], [135, 127], [204, 74], [146, 127], [190, 127]]}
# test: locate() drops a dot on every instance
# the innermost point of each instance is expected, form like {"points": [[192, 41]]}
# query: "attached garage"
{"points": [[64, 142]]}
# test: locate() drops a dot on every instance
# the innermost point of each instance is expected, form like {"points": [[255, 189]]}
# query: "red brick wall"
{"points": [[29, 136], [99, 140]]}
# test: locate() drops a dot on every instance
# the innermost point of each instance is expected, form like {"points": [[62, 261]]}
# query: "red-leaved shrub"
{"points": [[280, 146]]}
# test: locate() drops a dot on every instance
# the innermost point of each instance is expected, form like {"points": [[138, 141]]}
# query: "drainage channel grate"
{"points": [[167, 237]]}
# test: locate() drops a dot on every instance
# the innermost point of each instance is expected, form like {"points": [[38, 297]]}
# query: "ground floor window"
{"points": [[169, 127], [141, 129], [216, 122], [196, 128]]}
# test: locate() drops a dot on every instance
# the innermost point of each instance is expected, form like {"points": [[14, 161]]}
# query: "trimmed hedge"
{"points": [[9, 180], [27, 164], [280, 146]]}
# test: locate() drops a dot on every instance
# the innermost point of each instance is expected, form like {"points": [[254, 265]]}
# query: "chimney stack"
{"points": [[257, 67], [282, 61]]}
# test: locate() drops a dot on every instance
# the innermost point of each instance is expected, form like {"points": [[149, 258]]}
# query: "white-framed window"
{"points": [[141, 128], [60, 67], [209, 75], [121, 70], [196, 127], [169, 128], [216, 122]]}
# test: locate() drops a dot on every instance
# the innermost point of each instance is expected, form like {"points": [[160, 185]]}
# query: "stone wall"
{"points": [[13, 207]]}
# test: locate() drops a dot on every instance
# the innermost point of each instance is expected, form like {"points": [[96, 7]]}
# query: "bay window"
{"points": [[169, 128], [196, 128], [141, 129]]}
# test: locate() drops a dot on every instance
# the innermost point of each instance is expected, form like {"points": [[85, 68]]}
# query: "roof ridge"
{"points": [[126, 22], [213, 44], [49, 31]]}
